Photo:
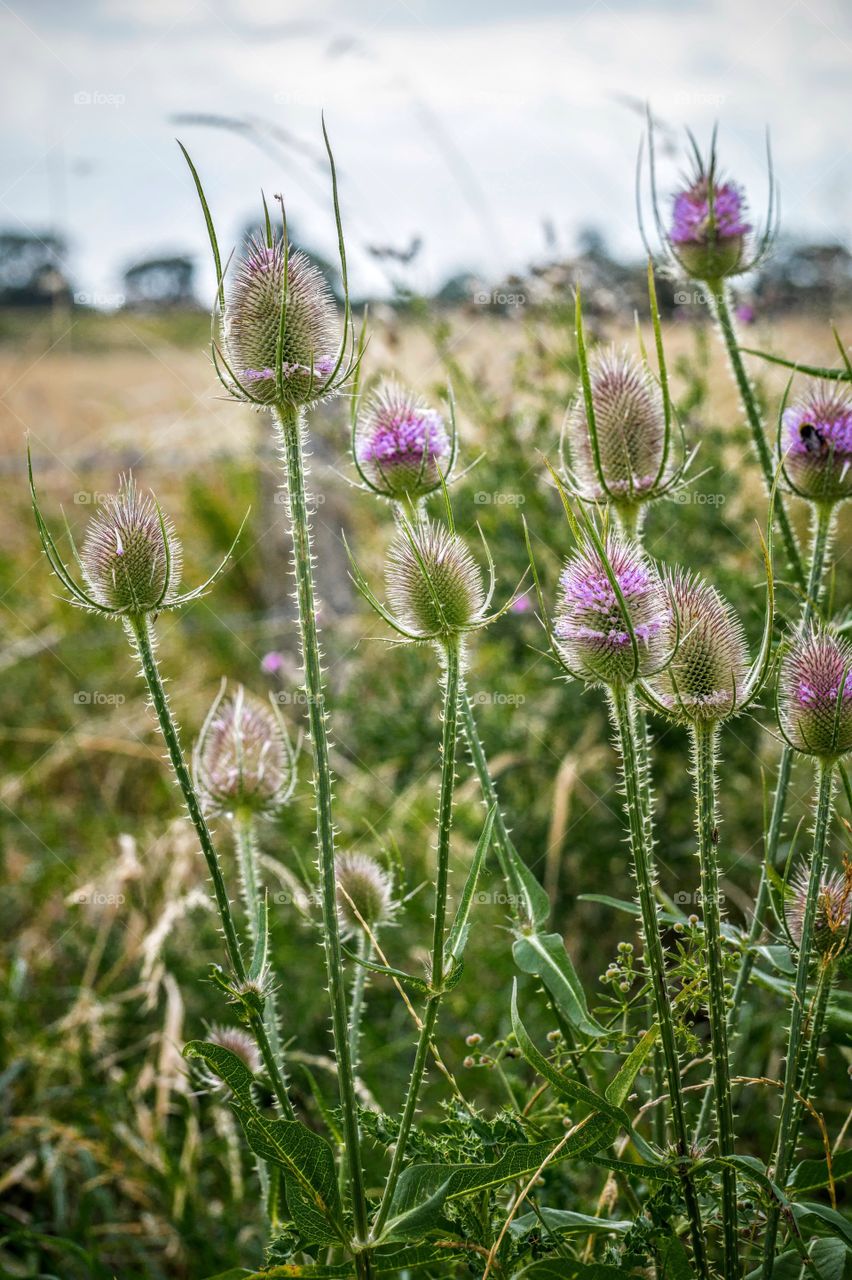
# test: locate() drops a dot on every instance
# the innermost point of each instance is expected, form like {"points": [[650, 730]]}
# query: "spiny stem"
{"points": [[141, 633], [245, 841], [719, 295], [704, 743], [430, 1016], [356, 1002], [783, 1145], [290, 425], [621, 704], [808, 1074], [823, 517]]}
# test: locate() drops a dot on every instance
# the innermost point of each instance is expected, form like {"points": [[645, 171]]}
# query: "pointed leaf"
{"points": [[544, 956], [457, 937]]}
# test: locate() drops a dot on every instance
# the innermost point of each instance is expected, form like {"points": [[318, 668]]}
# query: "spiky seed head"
{"points": [[131, 557], [817, 444], [834, 907], [242, 760], [631, 430], [594, 629], [239, 1042], [705, 679], [252, 322], [434, 584], [401, 442], [815, 694], [364, 889], [709, 228]]}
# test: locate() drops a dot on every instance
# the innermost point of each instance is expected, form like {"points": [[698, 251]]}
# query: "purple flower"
{"points": [[400, 443], [522, 604], [708, 228], [595, 628], [815, 694], [272, 663], [834, 906], [817, 441]]}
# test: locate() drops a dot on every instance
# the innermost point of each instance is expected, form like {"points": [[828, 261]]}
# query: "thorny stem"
{"points": [[719, 304], [621, 703], [430, 1016], [822, 523], [817, 1020], [290, 425], [789, 1104], [356, 1002], [704, 743], [141, 634], [245, 841]]}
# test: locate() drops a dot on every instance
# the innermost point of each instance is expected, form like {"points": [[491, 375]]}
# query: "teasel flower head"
{"points": [[243, 761], [238, 1042], [400, 444], [815, 694], [131, 558], [709, 233], [629, 465], [364, 893], [707, 677], [293, 365], [611, 622], [434, 585], [816, 442], [834, 909]]}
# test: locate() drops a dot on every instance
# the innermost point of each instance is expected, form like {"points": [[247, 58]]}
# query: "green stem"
{"points": [[356, 1002], [704, 741], [823, 516], [718, 290], [621, 702], [142, 637], [289, 422], [245, 841], [808, 1075], [445, 816], [784, 1157]]}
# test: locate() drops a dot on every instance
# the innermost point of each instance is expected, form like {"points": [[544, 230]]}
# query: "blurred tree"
{"points": [[160, 283], [32, 271]]}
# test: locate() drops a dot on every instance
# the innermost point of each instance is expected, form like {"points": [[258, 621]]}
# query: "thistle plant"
{"points": [[620, 428], [706, 683], [814, 711], [400, 444], [611, 629]]}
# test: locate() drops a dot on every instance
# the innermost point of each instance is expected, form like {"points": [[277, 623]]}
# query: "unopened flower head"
{"points": [[709, 228], [593, 626], [252, 323], [365, 890], [706, 677], [242, 758], [131, 558], [834, 908], [817, 444], [815, 694], [630, 427], [238, 1042], [401, 443], [434, 584]]}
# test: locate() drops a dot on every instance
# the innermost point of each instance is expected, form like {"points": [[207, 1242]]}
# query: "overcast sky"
{"points": [[468, 124]]}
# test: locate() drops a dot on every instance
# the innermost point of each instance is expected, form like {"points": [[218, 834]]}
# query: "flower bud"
{"points": [[434, 584], [252, 323], [834, 907], [593, 626], [706, 676], [364, 890], [242, 757], [817, 443], [631, 429], [709, 228], [815, 694], [238, 1042], [131, 558], [400, 443]]}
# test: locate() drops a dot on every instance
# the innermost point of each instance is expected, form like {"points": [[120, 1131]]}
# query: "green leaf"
{"points": [[307, 1161], [811, 1175], [420, 1182], [620, 1086], [629, 908], [536, 901], [457, 938], [836, 1223], [230, 1069], [779, 957], [565, 1086], [568, 1268], [419, 984], [544, 956], [675, 1261], [565, 1222], [261, 947]]}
